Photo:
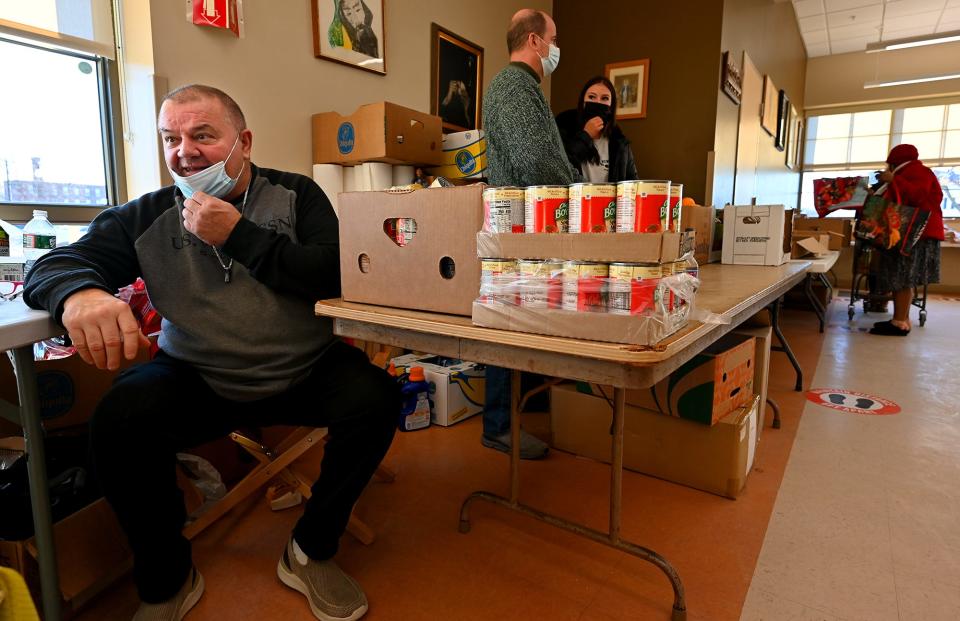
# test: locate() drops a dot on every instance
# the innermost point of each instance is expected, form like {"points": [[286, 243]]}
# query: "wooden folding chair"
{"points": [[277, 464]]}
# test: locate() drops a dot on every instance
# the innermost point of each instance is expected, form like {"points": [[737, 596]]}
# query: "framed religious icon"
{"points": [[630, 80], [456, 79], [350, 32]]}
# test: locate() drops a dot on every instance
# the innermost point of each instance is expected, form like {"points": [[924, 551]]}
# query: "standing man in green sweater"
{"points": [[523, 148]]}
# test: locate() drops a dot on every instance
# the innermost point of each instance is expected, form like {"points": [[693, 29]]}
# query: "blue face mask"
{"points": [[213, 180], [552, 60]]}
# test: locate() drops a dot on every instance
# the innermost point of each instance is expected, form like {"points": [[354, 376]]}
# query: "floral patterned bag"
{"points": [[890, 224]]}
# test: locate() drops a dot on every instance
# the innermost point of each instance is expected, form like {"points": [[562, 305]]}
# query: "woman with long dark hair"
{"points": [[591, 137]]}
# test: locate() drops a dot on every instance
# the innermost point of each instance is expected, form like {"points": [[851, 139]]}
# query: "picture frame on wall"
{"points": [[795, 148], [770, 106], [630, 81], [783, 112], [350, 32], [456, 80], [731, 81]]}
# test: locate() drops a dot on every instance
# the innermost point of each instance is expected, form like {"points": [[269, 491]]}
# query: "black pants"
{"points": [[157, 409]]}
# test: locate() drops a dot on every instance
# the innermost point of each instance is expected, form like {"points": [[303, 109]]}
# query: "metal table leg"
{"points": [[784, 346], [820, 310], [37, 474], [776, 413], [611, 538]]}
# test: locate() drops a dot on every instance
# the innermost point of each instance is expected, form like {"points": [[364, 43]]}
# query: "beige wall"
{"points": [[838, 80], [279, 84], [769, 33], [682, 41]]}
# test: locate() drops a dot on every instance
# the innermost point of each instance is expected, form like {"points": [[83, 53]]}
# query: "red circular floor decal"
{"points": [[853, 402]]}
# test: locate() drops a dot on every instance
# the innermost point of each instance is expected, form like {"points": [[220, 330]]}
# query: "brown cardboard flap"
{"points": [[410, 276], [605, 247], [633, 330]]}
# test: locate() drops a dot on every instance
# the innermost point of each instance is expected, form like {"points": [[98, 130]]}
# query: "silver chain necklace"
{"points": [[228, 267]]}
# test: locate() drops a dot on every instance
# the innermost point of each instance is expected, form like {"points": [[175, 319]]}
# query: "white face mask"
{"points": [[213, 180], [552, 60]]}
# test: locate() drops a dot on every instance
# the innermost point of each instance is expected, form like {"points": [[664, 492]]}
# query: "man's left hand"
{"points": [[209, 218]]}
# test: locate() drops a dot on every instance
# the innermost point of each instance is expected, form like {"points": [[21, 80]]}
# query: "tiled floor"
{"points": [[865, 524], [864, 528]]}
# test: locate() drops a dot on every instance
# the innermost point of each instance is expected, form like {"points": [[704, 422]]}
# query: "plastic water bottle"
{"points": [[415, 412], [39, 238]]}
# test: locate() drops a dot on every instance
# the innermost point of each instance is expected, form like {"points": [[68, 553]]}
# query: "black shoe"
{"points": [[888, 329]]}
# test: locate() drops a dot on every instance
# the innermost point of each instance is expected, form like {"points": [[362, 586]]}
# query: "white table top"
{"points": [[21, 325], [821, 265]]}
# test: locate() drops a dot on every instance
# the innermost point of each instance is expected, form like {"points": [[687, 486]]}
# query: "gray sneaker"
{"points": [[332, 594], [531, 447], [177, 606]]}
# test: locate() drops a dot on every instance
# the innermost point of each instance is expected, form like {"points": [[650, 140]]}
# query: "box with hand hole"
{"points": [[414, 249]]}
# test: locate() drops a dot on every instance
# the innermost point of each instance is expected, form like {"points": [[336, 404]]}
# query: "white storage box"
{"points": [[757, 234]]}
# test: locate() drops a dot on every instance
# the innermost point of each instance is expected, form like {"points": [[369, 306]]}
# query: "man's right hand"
{"points": [[594, 127], [102, 328]]}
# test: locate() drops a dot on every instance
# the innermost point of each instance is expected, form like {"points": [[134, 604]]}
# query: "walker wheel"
{"points": [[850, 311], [923, 317]]}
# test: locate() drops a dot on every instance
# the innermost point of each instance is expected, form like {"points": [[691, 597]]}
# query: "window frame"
{"points": [[108, 89]]}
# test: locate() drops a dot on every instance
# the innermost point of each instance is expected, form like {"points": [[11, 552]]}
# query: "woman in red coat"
{"points": [[917, 187]]}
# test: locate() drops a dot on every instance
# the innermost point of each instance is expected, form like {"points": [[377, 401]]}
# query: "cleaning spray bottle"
{"points": [[415, 412]]}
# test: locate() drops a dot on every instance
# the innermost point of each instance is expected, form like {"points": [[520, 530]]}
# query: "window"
{"points": [[857, 143], [53, 149]]}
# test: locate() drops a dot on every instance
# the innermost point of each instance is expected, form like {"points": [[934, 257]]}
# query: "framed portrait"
{"points": [[731, 82], [770, 106], [783, 112], [630, 80], [456, 80], [350, 32]]}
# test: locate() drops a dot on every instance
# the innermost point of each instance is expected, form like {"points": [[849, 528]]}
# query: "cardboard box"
{"points": [[377, 132], [604, 247], [706, 388], [464, 156], [437, 271], [807, 244], [699, 219], [69, 390], [641, 330], [92, 553], [763, 339], [715, 459], [757, 234], [840, 230], [456, 390]]}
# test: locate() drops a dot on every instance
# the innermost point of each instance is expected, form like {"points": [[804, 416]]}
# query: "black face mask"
{"points": [[595, 108]]}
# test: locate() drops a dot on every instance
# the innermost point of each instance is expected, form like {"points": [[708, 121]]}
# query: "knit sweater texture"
{"points": [[523, 143]]}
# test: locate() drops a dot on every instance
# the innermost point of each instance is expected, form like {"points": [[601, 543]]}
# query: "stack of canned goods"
{"points": [[646, 206], [647, 289]]}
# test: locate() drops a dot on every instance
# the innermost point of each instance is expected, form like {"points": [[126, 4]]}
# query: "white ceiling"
{"points": [[840, 26]]}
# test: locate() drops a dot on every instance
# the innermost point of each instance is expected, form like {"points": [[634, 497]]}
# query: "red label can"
{"points": [[676, 200], [541, 283], [634, 288], [546, 209], [503, 210], [643, 206], [585, 286], [593, 208]]}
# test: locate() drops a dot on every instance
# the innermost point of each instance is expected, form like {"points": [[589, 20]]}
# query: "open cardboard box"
{"points": [[700, 219], [92, 553], [378, 132], [810, 244], [840, 230], [437, 270]]}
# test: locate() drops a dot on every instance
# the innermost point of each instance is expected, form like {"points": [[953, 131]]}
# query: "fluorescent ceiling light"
{"points": [[899, 44], [929, 78]]}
